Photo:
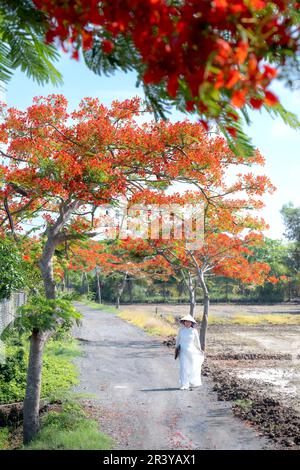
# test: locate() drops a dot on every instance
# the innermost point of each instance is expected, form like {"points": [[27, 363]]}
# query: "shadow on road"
{"points": [[158, 389], [122, 344]]}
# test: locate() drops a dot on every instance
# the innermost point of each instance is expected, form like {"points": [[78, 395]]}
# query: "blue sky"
{"points": [[279, 144]]}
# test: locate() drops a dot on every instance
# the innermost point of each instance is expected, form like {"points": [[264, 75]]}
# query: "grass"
{"points": [[69, 429], [245, 404], [272, 319], [96, 306], [148, 322], [4, 438]]}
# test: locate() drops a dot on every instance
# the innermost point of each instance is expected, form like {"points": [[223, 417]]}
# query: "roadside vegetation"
{"points": [[148, 322], [64, 423], [59, 373], [92, 304], [69, 428]]}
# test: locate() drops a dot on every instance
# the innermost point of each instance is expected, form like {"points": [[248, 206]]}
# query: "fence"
{"points": [[8, 308]]}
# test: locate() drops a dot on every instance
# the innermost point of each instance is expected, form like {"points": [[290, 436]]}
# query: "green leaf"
{"points": [[22, 43]]}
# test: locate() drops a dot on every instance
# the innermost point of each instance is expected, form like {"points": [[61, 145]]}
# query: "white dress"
{"points": [[191, 357]]}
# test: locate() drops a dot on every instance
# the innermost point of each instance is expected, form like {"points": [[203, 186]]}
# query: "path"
{"points": [[134, 381]]}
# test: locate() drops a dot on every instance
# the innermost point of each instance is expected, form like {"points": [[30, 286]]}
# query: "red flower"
{"points": [[239, 98], [172, 86], [190, 105], [234, 77], [231, 131], [270, 98], [107, 46], [172, 43], [256, 102], [204, 124]]}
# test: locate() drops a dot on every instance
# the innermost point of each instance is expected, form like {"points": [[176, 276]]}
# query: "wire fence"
{"points": [[8, 309]]}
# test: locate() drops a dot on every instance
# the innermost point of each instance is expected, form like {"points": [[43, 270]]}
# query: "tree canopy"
{"points": [[213, 58]]}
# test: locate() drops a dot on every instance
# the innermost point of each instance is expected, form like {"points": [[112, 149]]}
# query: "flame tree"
{"points": [[227, 240], [212, 58]]}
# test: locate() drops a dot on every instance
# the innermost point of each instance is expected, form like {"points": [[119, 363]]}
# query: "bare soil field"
{"points": [[268, 354], [218, 309]]}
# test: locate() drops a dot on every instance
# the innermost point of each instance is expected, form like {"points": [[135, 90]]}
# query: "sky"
{"points": [[279, 144]]}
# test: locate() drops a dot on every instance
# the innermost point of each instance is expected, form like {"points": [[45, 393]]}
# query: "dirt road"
{"points": [[134, 383]]}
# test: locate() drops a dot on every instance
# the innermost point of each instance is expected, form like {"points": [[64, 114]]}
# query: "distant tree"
{"points": [[277, 255], [121, 261], [291, 218]]}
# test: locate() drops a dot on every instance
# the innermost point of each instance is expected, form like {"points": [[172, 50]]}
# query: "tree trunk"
{"points": [[120, 291], [66, 277], [87, 284], [46, 267], [130, 289], [38, 339], [82, 284], [192, 296], [33, 389], [226, 290], [99, 298], [204, 322], [192, 304], [188, 281]]}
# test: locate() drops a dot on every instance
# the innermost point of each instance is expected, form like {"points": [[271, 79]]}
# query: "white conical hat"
{"points": [[188, 318]]}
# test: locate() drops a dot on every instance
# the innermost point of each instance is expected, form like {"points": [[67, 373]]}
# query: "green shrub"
{"points": [[67, 295], [12, 275], [69, 429], [58, 375], [13, 375]]}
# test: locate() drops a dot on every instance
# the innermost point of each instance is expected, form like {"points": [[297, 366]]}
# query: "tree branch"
{"points": [[11, 222]]}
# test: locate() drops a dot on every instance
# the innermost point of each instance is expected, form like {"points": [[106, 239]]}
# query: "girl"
{"points": [[191, 356]]}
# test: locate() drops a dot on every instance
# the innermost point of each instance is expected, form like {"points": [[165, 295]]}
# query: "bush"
{"points": [[12, 275], [69, 429], [69, 295], [13, 375], [58, 374]]}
